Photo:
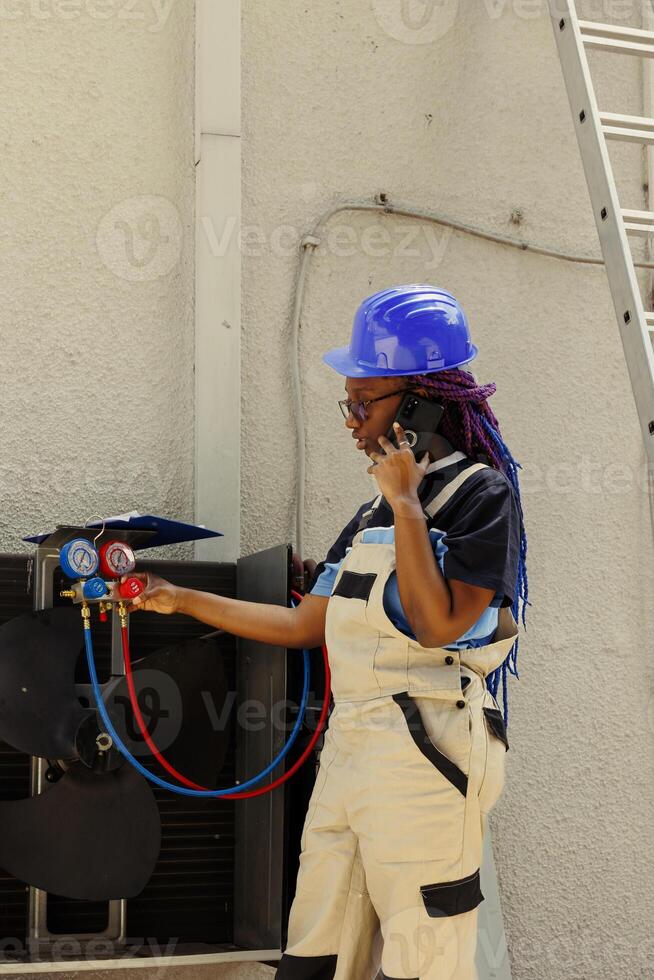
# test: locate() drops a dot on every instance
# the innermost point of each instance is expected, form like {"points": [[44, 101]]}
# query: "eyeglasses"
{"points": [[358, 408]]}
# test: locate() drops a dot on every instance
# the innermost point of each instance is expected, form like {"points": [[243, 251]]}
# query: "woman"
{"points": [[416, 602]]}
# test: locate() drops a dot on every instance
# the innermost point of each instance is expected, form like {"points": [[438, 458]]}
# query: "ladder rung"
{"points": [[645, 230], [590, 27], [628, 135], [636, 325], [627, 40], [638, 222], [635, 129], [645, 217], [630, 122]]}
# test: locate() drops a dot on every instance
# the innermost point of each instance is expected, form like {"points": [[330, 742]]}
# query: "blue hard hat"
{"points": [[414, 329]]}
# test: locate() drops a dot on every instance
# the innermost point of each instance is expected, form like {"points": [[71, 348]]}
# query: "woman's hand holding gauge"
{"points": [[159, 595], [398, 472]]}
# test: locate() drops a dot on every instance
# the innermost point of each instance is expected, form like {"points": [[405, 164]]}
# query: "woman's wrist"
{"points": [[407, 506], [183, 600]]}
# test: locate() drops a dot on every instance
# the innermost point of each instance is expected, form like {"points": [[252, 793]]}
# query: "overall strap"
{"points": [[366, 517], [432, 507], [447, 492]]}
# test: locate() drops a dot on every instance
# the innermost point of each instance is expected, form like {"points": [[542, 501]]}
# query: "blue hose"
{"points": [[183, 790]]}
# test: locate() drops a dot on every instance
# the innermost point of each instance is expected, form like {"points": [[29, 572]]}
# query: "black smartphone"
{"points": [[420, 418]]}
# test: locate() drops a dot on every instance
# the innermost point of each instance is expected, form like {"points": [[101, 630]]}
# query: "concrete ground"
{"points": [[228, 971]]}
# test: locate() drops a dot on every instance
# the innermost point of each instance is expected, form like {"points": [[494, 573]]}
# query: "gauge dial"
{"points": [[116, 559], [79, 559]]}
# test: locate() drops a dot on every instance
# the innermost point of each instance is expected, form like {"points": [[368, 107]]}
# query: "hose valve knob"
{"points": [[130, 588]]}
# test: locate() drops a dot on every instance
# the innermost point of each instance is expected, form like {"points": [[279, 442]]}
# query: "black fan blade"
{"points": [[183, 697], [39, 710], [88, 836]]}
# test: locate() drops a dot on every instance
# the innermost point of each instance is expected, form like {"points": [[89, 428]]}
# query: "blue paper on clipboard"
{"points": [[166, 531]]}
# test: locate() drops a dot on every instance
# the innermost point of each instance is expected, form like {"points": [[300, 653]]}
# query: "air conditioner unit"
{"points": [[224, 879]]}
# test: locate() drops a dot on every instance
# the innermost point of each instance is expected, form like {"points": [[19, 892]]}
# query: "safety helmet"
{"points": [[414, 329]]}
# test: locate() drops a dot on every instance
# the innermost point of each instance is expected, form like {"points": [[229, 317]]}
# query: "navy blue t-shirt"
{"points": [[475, 537]]}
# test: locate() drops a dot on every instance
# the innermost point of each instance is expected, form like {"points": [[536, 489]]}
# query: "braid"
{"points": [[469, 425]]}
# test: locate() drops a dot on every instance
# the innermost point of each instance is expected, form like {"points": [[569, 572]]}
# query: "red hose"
{"points": [[139, 717], [188, 782]]}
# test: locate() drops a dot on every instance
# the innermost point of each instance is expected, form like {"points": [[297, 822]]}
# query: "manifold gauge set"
{"points": [[96, 573]]}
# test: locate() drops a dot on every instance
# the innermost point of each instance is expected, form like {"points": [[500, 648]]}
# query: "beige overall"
{"points": [[413, 760]]}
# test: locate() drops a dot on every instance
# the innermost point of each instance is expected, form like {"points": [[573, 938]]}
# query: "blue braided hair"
{"points": [[470, 426]]}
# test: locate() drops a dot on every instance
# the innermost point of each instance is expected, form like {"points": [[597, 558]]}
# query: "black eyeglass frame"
{"points": [[346, 405]]}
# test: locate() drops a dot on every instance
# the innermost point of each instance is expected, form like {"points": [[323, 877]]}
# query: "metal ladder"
{"points": [[614, 224]]}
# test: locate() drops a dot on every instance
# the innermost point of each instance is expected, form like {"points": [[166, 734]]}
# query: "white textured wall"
{"points": [[469, 116], [97, 262]]}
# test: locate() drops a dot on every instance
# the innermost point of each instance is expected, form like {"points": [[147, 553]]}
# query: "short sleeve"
{"points": [[483, 537], [323, 578]]}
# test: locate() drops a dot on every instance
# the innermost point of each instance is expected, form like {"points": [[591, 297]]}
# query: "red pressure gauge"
{"points": [[116, 559]]}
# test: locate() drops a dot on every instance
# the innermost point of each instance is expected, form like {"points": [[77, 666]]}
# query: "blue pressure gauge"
{"points": [[79, 559]]}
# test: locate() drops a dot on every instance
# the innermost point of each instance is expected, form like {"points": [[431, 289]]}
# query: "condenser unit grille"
{"points": [[225, 876], [190, 895], [15, 599]]}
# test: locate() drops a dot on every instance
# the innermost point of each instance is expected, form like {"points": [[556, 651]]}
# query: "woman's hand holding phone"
{"points": [[398, 473]]}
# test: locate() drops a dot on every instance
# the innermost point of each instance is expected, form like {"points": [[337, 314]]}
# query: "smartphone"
{"points": [[420, 418]]}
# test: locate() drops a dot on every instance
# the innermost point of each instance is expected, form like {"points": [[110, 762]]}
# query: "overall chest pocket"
{"points": [[355, 585], [419, 814]]}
